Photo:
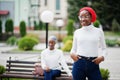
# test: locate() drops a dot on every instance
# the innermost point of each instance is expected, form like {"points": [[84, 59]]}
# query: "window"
{"points": [[57, 4], [45, 2]]}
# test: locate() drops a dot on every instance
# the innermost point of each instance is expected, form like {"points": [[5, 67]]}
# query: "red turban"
{"points": [[91, 11]]}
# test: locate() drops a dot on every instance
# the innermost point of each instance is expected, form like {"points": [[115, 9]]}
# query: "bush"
{"points": [[110, 43], [70, 27], [118, 43], [12, 40], [96, 24], [67, 38], [105, 74], [67, 46], [0, 27], [36, 26], [39, 25], [22, 28], [115, 26], [42, 25], [2, 69], [27, 43], [33, 36], [9, 26]]}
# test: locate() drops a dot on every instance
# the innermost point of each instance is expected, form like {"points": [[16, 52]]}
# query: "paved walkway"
{"points": [[112, 62]]}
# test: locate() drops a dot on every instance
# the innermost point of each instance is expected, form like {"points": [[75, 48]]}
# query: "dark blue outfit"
{"points": [[86, 68], [52, 74]]}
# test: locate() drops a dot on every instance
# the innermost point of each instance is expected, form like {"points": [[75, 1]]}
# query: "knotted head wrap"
{"points": [[52, 38]]}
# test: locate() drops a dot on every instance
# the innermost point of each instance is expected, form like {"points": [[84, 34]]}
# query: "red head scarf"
{"points": [[91, 11]]}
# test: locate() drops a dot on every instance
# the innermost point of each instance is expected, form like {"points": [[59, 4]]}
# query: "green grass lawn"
{"points": [[110, 33]]}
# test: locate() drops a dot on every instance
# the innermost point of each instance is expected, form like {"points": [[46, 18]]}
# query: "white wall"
{"points": [[21, 11], [51, 6]]}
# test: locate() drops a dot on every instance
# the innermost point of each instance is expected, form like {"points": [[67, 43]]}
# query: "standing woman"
{"points": [[86, 42]]}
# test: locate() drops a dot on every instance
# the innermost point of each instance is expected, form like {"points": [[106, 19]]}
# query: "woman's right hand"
{"points": [[74, 57]]}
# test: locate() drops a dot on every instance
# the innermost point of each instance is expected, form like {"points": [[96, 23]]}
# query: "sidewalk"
{"points": [[112, 62]]}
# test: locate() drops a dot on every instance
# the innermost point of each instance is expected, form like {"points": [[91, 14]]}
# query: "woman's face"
{"points": [[85, 18], [51, 44]]}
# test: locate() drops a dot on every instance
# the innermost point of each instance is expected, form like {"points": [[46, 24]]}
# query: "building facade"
{"points": [[30, 10]]}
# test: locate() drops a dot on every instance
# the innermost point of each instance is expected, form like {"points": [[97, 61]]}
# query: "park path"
{"points": [[112, 62]]}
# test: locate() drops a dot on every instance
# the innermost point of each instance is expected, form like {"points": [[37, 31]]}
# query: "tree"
{"points": [[22, 28], [115, 26], [106, 10], [73, 8], [70, 27]]}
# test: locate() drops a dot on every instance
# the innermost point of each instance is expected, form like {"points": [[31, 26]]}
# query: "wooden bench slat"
{"points": [[21, 66], [23, 69], [62, 77], [22, 62], [21, 76], [19, 70], [23, 73]]}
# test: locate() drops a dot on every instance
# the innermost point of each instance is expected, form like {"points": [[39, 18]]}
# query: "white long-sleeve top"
{"points": [[53, 59], [88, 40]]}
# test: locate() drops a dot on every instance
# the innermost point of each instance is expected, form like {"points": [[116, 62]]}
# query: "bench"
{"points": [[23, 69]]}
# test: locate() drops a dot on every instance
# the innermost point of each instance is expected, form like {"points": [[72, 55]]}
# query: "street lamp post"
{"points": [[59, 24], [47, 17]]}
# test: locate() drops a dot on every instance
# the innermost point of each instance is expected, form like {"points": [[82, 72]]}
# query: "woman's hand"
{"points": [[74, 57], [98, 60], [70, 77], [47, 69]]}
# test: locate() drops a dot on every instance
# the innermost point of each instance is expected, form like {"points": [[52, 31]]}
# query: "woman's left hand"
{"points": [[98, 60], [70, 77]]}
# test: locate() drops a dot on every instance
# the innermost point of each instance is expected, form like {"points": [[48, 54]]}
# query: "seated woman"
{"points": [[51, 58]]}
